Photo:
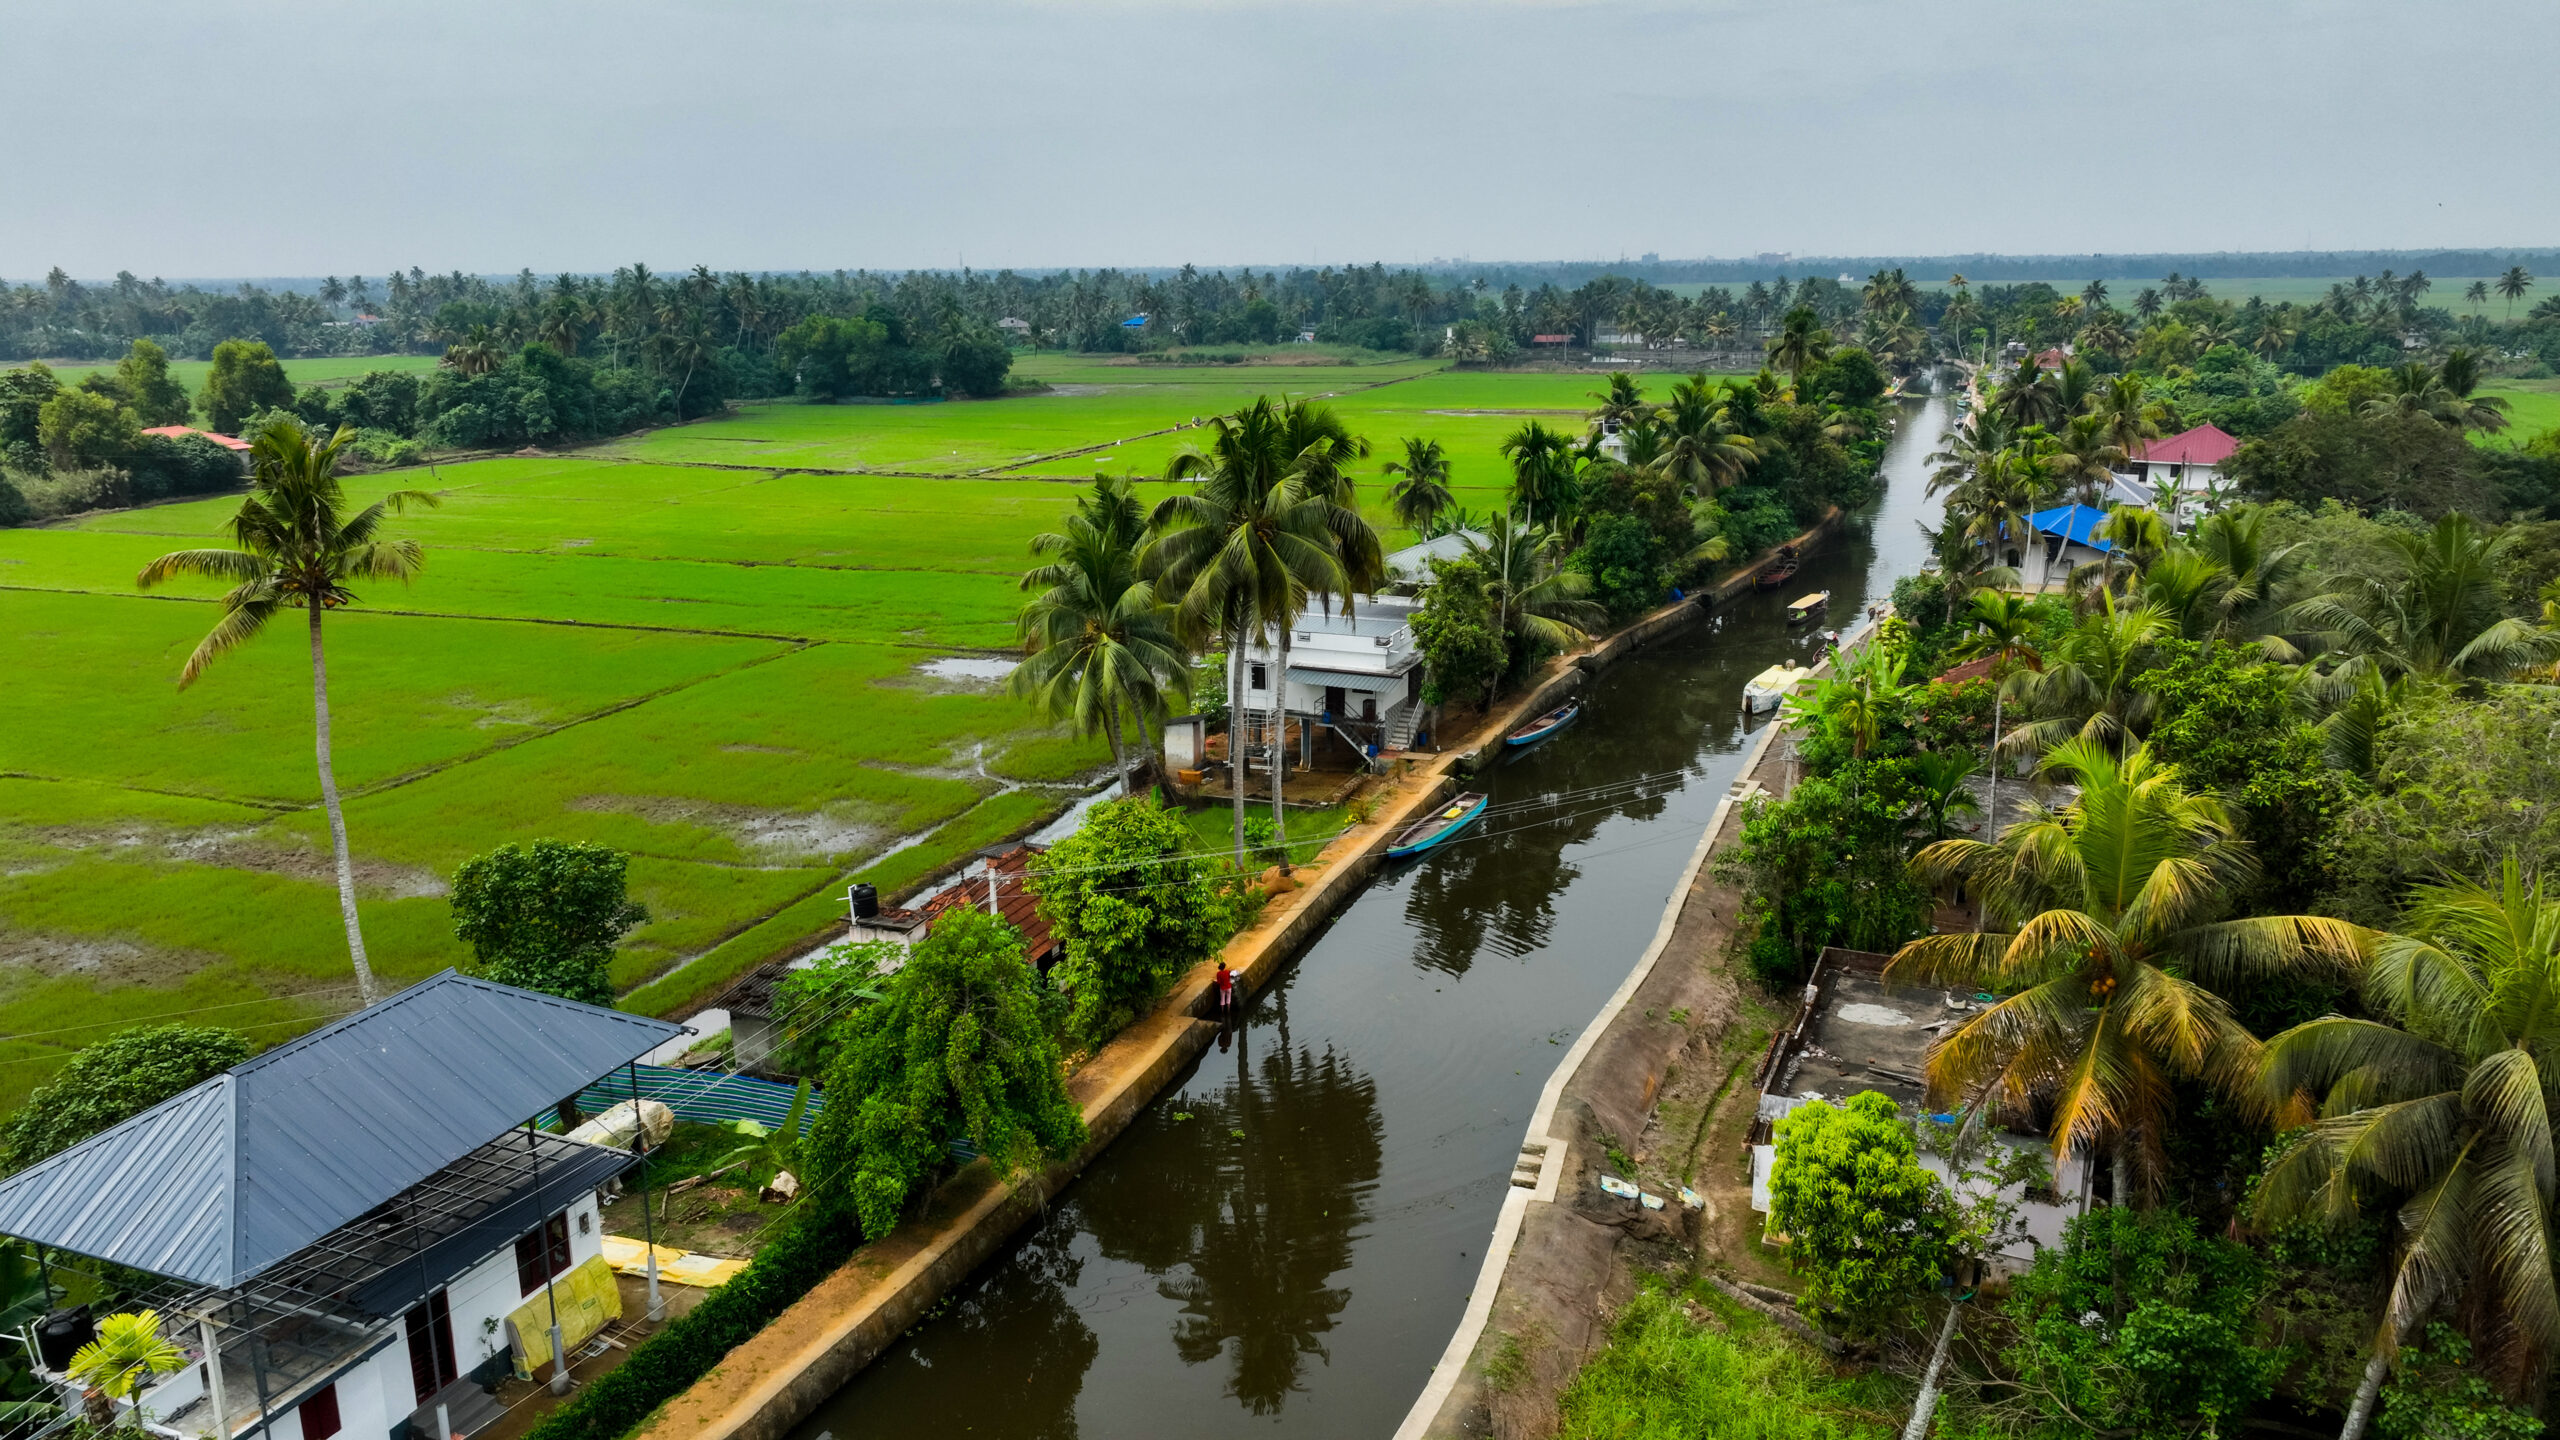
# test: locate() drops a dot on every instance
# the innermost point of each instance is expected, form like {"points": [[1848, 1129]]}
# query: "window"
{"points": [[1260, 678], [542, 1253], [320, 1413]]}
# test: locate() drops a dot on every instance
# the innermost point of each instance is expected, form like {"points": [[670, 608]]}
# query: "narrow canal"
{"points": [[1282, 1243]]}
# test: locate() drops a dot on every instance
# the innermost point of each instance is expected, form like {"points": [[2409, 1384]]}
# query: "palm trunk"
{"points": [[1991, 810], [2360, 1410], [1928, 1401], [1119, 762], [1280, 738], [1235, 732], [366, 990]]}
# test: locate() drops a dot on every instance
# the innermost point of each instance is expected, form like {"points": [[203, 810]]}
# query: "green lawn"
{"points": [[661, 644], [2533, 407]]}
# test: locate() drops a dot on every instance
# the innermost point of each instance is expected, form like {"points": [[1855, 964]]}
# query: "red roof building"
{"points": [[2204, 445], [1004, 878], [1550, 339], [227, 442]]}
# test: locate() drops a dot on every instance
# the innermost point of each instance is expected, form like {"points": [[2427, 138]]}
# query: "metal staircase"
{"points": [[1400, 729]]}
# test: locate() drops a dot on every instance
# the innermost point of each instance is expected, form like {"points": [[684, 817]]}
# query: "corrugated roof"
{"points": [[218, 1183], [1015, 904], [1372, 681]]}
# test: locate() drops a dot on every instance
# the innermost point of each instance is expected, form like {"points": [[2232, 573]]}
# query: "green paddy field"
{"points": [[709, 645]]}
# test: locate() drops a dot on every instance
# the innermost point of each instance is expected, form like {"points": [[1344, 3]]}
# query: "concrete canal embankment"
{"points": [[767, 1385]]}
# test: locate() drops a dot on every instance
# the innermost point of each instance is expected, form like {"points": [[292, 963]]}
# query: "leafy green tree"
{"points": [[1461, 642], [2232, 725], [2108, 953], [959, 1050], [298, 549], [23, 394], [812, 998], [112, 1081], [83, 430], [1867, 1225], [2458, 785], [246, 377], [2439, 1107], [975, 363], [2437, 609], [2440, 1393], [156, 397], [546, 916], [830, 358], [1134, 906], [2139, 1324]]}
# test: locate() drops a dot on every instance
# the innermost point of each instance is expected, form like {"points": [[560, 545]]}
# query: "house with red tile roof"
{"points": [[2188, 463]]}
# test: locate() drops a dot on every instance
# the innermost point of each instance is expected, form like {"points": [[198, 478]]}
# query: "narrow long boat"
{"points": [[1802, 610], [1545, 725], [1437, 827], [1780, 571]]}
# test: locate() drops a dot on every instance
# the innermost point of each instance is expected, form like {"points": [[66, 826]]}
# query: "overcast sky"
{"points": [[285, 137]]}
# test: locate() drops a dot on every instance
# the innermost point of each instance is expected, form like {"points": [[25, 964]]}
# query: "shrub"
{"points": [[1867, 1225], [1134, 907], [960, 1048], [2140, 1324]]}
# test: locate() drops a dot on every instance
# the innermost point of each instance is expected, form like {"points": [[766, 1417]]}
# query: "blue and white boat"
{"points": [[1437, 827], [1545, 725]]}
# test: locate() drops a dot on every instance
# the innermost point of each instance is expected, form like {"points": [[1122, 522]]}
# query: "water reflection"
{"points": [[1009, 1362], [1252, 1206]]}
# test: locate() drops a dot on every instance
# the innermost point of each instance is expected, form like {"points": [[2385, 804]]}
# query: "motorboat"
{"points": [[1545, 725], [1804, 607], [1438, 827], [1770, 688]]}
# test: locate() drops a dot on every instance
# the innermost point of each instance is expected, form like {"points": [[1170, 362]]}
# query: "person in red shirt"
{"points": [[1226, 992]]}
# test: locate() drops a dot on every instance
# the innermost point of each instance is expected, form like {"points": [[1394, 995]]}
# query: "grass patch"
{"points": [[1672, 1371]]}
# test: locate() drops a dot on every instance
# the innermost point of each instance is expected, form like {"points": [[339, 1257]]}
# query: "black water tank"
{"points": [[61, 1336], [866, 901]]}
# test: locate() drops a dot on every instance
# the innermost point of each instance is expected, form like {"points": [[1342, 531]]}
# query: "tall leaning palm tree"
{"points": [[1321, 449], [2439, 1109], [2108, 953], [1421, 490], [1098, 641], [298, 549]]}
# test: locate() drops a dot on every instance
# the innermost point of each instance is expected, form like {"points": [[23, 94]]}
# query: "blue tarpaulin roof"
{"points": [[223, 1181], [2075, 523]]}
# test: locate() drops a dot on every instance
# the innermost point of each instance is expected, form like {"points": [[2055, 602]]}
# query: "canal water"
{"points": [[1282, 1243]]}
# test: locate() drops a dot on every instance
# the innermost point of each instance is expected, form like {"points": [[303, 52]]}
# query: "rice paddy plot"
{"points": [[301, 370], [945, 438], [94, 695], [1276, 368]]}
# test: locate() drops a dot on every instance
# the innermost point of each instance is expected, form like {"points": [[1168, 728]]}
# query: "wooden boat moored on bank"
{"points": [[1780, 571], [1545, 725], [1437, 827]]}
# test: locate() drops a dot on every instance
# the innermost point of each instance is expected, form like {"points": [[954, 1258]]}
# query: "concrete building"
{"points": [[1354, 677]]}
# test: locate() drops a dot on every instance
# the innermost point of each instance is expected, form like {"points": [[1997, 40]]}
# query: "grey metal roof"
{"points": [[218, 1183]]}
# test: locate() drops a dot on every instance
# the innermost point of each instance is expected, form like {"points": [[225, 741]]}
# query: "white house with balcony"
{"points": [[2180, 469], [1353, 675]]}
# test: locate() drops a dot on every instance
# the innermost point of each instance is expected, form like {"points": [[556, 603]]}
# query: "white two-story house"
{"points": [[357, 1231], [1353, 678]]}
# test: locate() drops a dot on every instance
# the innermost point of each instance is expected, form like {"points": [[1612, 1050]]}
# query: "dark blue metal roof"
{"points": [[219, 1183], [2075, 523]]}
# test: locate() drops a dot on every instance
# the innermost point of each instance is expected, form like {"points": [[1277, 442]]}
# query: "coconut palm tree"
{"points": [[1243, 551], [1543, 607], [1321, 449], [1941, 776], [2029, 396], [1622, 402], [476, 353], [2107, 953], [2439, 1109], [1097, 640], [2477, 294], [2131, 417], [2437, 609], [2086, 690], [2000, 626], [1702, 449], [129, 1350], [1422, 492], [2087, 460], [1800, 344], [1542, 475], [299, 549], [2512, 285]]}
